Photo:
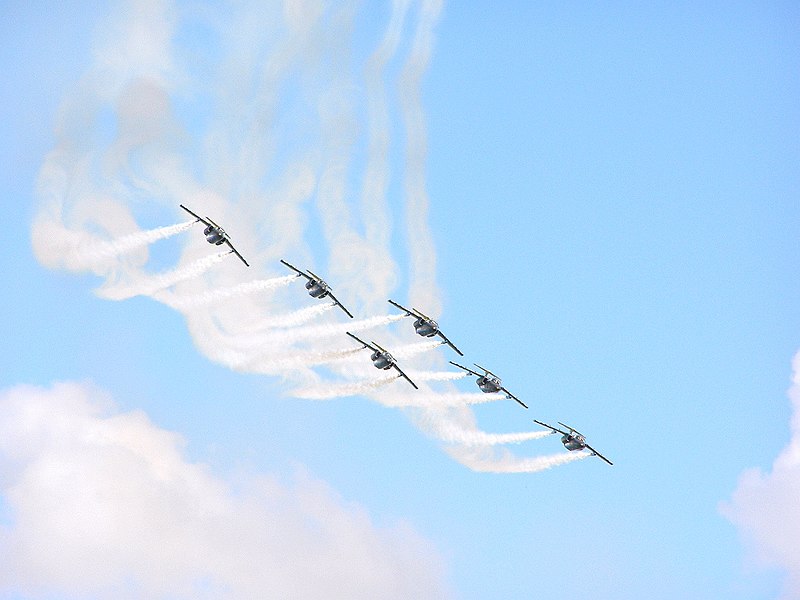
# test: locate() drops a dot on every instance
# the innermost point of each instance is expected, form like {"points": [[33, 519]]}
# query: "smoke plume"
{"points": [[284, 136]]}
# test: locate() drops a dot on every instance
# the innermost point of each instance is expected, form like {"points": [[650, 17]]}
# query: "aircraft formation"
{"points": [[487, 381]]}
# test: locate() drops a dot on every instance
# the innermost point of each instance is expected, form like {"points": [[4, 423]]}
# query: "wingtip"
{"points": [[408, 379]]}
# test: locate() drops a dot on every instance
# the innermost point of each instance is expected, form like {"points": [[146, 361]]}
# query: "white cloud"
{"points": [[105, 504], [766, 506]]}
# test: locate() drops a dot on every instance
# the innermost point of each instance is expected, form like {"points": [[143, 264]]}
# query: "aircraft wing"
{"points": [[572, 429], [196, 216], [399, 370], [488, 372], [411, 312], [510, 395], [418, 314], [551, 428], [236, 252], [403, 308], [362, 342], [466, 369], [378, 346], [449, 343], [296, 270], [314, 275], [339, 304], [596, 453]]}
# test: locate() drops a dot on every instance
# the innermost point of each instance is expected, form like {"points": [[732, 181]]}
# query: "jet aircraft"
{"points": [[425, 326], [316, 287], [489, 382], [215, 234], [574, 440], [381, 359]]}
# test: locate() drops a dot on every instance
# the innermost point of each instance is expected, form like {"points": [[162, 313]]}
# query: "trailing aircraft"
{"points": [[573, 440], [489, 382], [425, 326], [317, 288], [381, 359]]}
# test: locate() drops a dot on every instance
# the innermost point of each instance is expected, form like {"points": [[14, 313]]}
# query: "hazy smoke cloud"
{"points": [[272, 124]]}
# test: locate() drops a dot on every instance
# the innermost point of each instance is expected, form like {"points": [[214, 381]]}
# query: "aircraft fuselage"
{"points": [[317, 289], [382, 360], [572, 443], [215, 235], [489, 385], [426, 327]]}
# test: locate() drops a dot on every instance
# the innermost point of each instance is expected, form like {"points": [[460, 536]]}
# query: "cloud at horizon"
{"points": [[105, 504], [765, 509]]}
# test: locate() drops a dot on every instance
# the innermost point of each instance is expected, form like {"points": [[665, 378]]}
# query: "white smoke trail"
{"points": [[460, 399], [436, 400], [149, 286], [453, 434], [328, 390], [348, 252], [478, 459], [295, 318], [113, 248], [215, 296], [280, 359], [58, 246], [411, 350], [441, 422], [264, 360], [420, 242], [375, 213], [317, 332], [373, 198], [437, 375], [304, 359]]}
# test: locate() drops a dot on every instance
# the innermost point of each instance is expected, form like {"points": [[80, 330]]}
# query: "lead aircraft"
{"points": [[215, 234]]}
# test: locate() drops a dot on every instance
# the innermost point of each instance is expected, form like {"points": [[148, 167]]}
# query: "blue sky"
{"points": [[612, 216]]}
